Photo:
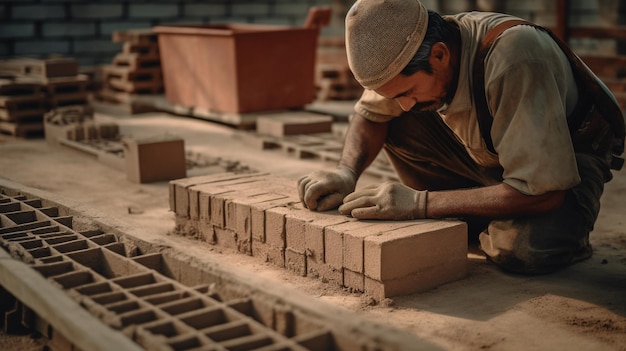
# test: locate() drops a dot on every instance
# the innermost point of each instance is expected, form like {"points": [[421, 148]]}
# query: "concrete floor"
{"points": [[582, 307]]}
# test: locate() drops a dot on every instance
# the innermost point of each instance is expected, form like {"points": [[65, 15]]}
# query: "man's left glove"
{"points": [[390, 200]]}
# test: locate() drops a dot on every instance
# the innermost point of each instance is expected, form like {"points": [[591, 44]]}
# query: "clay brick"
{"points": [[216, 209], [260, 250], [205, 232], [205, 196], [204, 206], [295, 261], [411, 249], [353, 280], [201, 195], [199, 203], [418, 257], [294, 231], [275, 226], [411, 284], [155, 159], [218, 204], [353, 249], [274, 245], [239, 216], [325, 272], [275, 256], [333, 240], [257, 215], [314, 241], [178, 189], [226, 238], [292, 123]]}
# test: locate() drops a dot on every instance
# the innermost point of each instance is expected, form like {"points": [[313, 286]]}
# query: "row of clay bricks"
{"points": [[261, 215]]}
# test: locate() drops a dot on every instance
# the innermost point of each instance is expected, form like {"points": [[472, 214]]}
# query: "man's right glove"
{"points": [[389, 200], [324, 190]]}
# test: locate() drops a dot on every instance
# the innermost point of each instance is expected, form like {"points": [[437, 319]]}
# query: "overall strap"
{"points": [[603, 101], [485, 120]]}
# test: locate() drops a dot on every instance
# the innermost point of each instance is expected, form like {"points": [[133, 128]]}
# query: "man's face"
{"points": [[422, 91]]}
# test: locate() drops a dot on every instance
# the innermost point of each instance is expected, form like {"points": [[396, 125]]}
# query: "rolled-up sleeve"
{"points": [[377, 108]]}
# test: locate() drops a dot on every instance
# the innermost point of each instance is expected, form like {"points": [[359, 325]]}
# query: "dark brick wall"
{"points": [[83, 28]]}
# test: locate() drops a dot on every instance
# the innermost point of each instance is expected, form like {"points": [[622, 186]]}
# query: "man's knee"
{"points": [[524, 248], [539, 262]]}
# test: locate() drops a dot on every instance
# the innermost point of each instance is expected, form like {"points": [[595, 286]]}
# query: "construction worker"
{"points": [[510, 164]]}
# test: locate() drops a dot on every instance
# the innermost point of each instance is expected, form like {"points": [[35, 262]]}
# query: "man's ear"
{"points": [[439, 53]]}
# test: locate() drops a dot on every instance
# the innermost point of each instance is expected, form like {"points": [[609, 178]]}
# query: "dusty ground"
{"points": [[580, 308]]}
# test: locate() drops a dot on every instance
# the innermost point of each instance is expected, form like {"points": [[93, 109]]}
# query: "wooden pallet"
{"points": [[134, 71], [138, 81], [20, 108], [22, 129], [116, 102], [135, 61], [40, 68], [135, 36], [321, 146], [151, 48], [336, 82], [65, 91], [35, 87], [13, 86]]}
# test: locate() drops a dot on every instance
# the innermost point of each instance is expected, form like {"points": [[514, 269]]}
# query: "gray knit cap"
{"points": [[382, 36]]}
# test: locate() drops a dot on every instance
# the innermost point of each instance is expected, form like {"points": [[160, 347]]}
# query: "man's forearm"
{"points": [[494, 201], [363, 142]]}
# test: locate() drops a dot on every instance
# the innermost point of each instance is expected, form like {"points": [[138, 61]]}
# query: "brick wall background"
{"points": [[83, 28]]}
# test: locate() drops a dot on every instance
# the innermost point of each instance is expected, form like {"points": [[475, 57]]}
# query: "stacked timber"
{"points": [[31, 87]]}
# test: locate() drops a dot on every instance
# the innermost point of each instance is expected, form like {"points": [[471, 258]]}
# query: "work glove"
{"points": [[389, 200], [324, 190]]}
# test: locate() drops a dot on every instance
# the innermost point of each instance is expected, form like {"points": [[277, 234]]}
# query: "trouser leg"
{"points": [[544, 243]]}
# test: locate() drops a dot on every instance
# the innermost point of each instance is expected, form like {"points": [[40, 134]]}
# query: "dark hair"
{"points": [[438, 31]]}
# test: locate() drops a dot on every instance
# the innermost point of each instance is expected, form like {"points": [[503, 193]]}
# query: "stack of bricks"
{"points": [[260, 215], [333, 78], [31, 87], [134, 71]]}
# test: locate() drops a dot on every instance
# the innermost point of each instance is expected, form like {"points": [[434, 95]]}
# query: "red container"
{"points": [[238, 68]]}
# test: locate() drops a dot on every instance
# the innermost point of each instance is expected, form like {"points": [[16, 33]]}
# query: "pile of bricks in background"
{"points": [[31, 87], [134, 71], [260, 215], [333, 78]]}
